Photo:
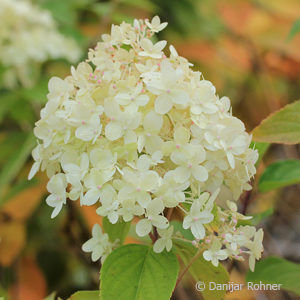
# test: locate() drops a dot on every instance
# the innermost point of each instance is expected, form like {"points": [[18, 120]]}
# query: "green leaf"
{"points": [[142, 4], [280, 174], [261, 148], [51, 296], [116, 231], [294, 30], [7, 101], [37, 93], [85, 295], [203, 270], [136, 272], [283, 126], [9, 142], [62, 11], [277, 270], [187, 234], [16, 161]]}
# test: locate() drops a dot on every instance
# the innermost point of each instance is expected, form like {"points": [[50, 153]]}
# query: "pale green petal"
{"points": [[143, 227], [168, 245], [143, 163], [155, 207], [178, 158], [159, 246], [56, 210], [142, 100], [200, 173], [97, 252], [113, 131], [182, 174], [85, 133], [198, 230], [152, 122], [91, 197], [123, 98], [149, 180], [231, 160], [207, 255], [89, 245], [187, 222], [102, 159], [180, 97], [163, 104], [181, 135], [97, 231], [34, 169], [153, 143], [143, 198], [160, 221]]}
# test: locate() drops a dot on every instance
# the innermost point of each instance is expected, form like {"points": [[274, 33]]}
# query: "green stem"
{"points": [[194, 258]]}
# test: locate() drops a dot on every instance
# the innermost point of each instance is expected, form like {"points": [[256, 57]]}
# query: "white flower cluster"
{"points": [[138, 133], [99, 244], [29, 35]]}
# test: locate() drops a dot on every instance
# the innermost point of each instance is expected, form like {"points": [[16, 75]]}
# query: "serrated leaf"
{"points": [[283, 126], [203, 270], [116, 231], [136, 272], [280, 174], [85, 295], [277, 270]]}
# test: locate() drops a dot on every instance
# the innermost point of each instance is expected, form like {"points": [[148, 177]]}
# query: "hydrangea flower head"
{"points": [[138, 131], [28, 36]]}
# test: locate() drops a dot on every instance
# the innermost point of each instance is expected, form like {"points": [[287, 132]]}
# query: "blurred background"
{"points": [[243, 47]]}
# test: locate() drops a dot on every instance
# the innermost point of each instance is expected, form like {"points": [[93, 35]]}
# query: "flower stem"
{"points": [[169, 213], [194, 258], [152, 237]]}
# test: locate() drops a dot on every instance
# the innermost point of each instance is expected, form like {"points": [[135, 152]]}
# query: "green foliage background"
{"points": [[250, 51]]}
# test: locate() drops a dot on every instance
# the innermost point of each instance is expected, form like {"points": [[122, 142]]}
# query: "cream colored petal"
{"points": [[198, 230], [181, 135], [113, 131], [143, 227], [159, 246], [163, 104], [182, 174], [90, 197], [149, 180], [200, 173]]}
